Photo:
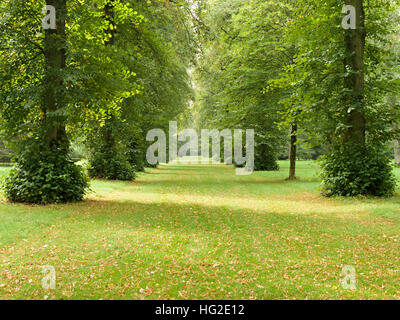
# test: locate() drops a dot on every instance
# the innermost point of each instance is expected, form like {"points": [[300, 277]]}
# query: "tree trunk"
{"points": [[109, 15], [354, 81], [54, 93], [293, 152], [109, 123], [396, 147]]}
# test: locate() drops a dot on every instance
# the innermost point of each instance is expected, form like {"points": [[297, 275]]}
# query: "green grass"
{"points": [[201, 232]]}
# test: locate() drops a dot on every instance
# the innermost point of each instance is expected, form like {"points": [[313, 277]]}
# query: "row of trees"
{"points": [[294, 66], [111, 70], [108, 72]]}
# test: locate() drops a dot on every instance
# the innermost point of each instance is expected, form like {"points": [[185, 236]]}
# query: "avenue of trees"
{"points": [[108, 72], [112, 70], [292, 66]]}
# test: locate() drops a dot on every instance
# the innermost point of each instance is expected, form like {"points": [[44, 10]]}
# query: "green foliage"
{"points": [[323, 99], [160, 51], [77, 152], [45, 177], [136, 156], [241, 54], [316, 75], [357, 171], [265, 158], [85, 82], [110, 162], [261, 64]]}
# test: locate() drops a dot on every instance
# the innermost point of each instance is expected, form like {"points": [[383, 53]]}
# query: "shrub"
{"points": [[44, 178], [265, 159], [110, 164], [136, 157], [357, 171]]}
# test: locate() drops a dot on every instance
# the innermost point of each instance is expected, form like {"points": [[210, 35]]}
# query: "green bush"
{"points": [[136, 157], [357, 171], [111, 165], [44, 178], [265, 158]]}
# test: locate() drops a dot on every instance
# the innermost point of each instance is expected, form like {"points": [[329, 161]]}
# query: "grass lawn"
{"points": [[201, 232]]}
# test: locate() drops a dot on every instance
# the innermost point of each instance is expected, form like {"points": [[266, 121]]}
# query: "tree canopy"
{"points": [[298, 72]]}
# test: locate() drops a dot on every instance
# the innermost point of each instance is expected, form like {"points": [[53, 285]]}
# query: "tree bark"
{"points": [[109, 15], [54, 92], [293, 151], [396, 146], [354, 81], [109, 123]]}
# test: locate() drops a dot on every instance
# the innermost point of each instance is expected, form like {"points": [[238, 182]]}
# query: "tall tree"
{"points": [[241, 54], [54, 91], [337, 79], [354, 80], [53, 82], [160, 51], [107, 159]]}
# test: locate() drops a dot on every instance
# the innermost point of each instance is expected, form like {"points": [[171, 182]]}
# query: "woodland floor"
{"points": [[201, 232]]}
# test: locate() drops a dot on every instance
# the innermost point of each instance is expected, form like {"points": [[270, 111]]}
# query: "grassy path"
{"points": [[201, 232]]}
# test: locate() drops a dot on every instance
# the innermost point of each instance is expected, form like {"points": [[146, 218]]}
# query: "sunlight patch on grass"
{"points": [[198, 232]]}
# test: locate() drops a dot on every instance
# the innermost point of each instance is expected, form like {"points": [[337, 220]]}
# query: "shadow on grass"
{"points": [[199, 240]]}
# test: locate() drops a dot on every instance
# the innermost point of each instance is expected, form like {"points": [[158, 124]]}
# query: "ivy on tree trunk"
{"points": [[354, 80], [396, 146], [54, 135]]}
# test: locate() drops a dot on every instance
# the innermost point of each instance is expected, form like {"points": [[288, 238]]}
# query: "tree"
{"points": [[241, 54], [354, 81], [52, 82], [393, 64], [54, 136], [107, 158], [293, 151], [338, 78], [160, 50], [43, 173]]}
